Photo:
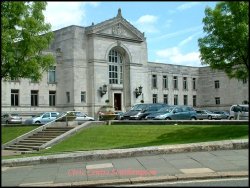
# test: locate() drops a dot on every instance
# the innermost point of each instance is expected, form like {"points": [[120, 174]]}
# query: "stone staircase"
{"points": [[37, 139]]}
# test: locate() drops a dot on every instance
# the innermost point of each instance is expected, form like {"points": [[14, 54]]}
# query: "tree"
{"points": [[225, 47], [25, 37]]}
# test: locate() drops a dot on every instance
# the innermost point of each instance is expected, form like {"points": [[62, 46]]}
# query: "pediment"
{"points": [[117, 29]]}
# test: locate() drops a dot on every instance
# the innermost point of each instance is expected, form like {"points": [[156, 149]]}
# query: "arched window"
{"points": [[115, 68]]}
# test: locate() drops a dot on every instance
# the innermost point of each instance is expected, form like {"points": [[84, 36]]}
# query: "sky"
{"points": [[171, 28]]}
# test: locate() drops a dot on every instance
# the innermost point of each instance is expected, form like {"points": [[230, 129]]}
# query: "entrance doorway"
{"points": [[118, 101]]}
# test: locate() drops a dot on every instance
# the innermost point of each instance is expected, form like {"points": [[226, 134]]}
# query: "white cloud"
{"points": [[147, 23], [63, 14], [188, 39], [175, 56], [177, 33], [187, 6]]}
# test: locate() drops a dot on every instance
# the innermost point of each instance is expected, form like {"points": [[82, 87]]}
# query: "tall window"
{"points": [[194, 100], [185, 83], [185, 99], [83, 96], [14, 97], [154, 81], [175, 82], [217, 84], [217, 100], [175, 99], [115, 68], [52, 75], [165, 98], [154, 98], [194, 83], [68, 97], [52, 98], [34, 98], [165, 82]]}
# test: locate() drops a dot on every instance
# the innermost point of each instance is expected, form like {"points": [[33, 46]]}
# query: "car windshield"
{"points": [[139, 107], [38, 115], [14, 114], [166, 109]]}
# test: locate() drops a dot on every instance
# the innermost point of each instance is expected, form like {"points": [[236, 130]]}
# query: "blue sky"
{"points": [[171, 28]]}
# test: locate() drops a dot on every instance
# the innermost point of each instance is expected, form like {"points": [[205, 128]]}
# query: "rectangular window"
{"points": [[113, 74], [68, 97], [194, 100], [154, 81], [52, 98], [83, 96], [185, 83], [52, 75], [165, 98], [194, 83], [175, 99], [175, 82], [217, 100], [14, 97], [34, 98], [154, 98], [217, 84], [185, 100], [165, 82]]}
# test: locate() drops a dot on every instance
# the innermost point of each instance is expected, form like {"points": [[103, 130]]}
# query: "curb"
{"points": [[131, 152], [136, 180]]}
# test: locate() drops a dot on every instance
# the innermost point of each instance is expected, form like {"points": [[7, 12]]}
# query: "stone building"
{"points": [[107, 63]]}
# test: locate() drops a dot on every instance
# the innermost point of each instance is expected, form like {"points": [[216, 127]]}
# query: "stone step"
{"points": [[19, 149], [58, 128], [22, 146], [39, 139], [30, 143], [47, 134]]}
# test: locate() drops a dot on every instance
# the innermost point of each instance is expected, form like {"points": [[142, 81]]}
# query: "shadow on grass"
{"points": [[196, 134]]}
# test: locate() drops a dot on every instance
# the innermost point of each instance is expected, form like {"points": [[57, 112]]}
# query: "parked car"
{"points": [[80, 117], [206, 114], [119, 115], [175, 112], [11, 119], [223, 114], [42, 118], [140, 111], [151, 109], [244, 111]]}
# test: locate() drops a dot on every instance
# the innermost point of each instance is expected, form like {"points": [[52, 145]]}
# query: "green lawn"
{"points": [[10, 133], [130, 136]]}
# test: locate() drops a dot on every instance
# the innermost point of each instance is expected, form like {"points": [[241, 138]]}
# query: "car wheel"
{"points": [[7, 122], [167, 118], [209, 117], [193, 118], [37, 122]]}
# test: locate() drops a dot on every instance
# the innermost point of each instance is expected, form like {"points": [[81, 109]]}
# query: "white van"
{"points": [[244, 114]]}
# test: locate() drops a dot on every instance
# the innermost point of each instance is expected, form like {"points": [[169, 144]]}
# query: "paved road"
{"points": [[163, 167]]}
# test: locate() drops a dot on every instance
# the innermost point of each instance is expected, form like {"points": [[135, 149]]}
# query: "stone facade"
{"points": [[84, 63]]}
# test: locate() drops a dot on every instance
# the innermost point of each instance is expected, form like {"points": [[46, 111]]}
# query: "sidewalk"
{"points": [[108, 168]]}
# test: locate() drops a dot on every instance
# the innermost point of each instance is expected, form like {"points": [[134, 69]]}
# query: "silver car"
{"points": [[206, 114], [11, 119]]}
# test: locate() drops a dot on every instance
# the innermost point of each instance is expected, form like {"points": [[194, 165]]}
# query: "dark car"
{"points": [[151, 109], [140, 111], [175, 112]]}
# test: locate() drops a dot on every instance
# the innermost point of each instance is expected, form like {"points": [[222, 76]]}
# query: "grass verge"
{"points": [[10, 133], [131, 136]]}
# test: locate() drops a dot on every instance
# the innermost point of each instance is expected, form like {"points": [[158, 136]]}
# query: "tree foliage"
{"points": [[25, 37], [225, 47]]}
